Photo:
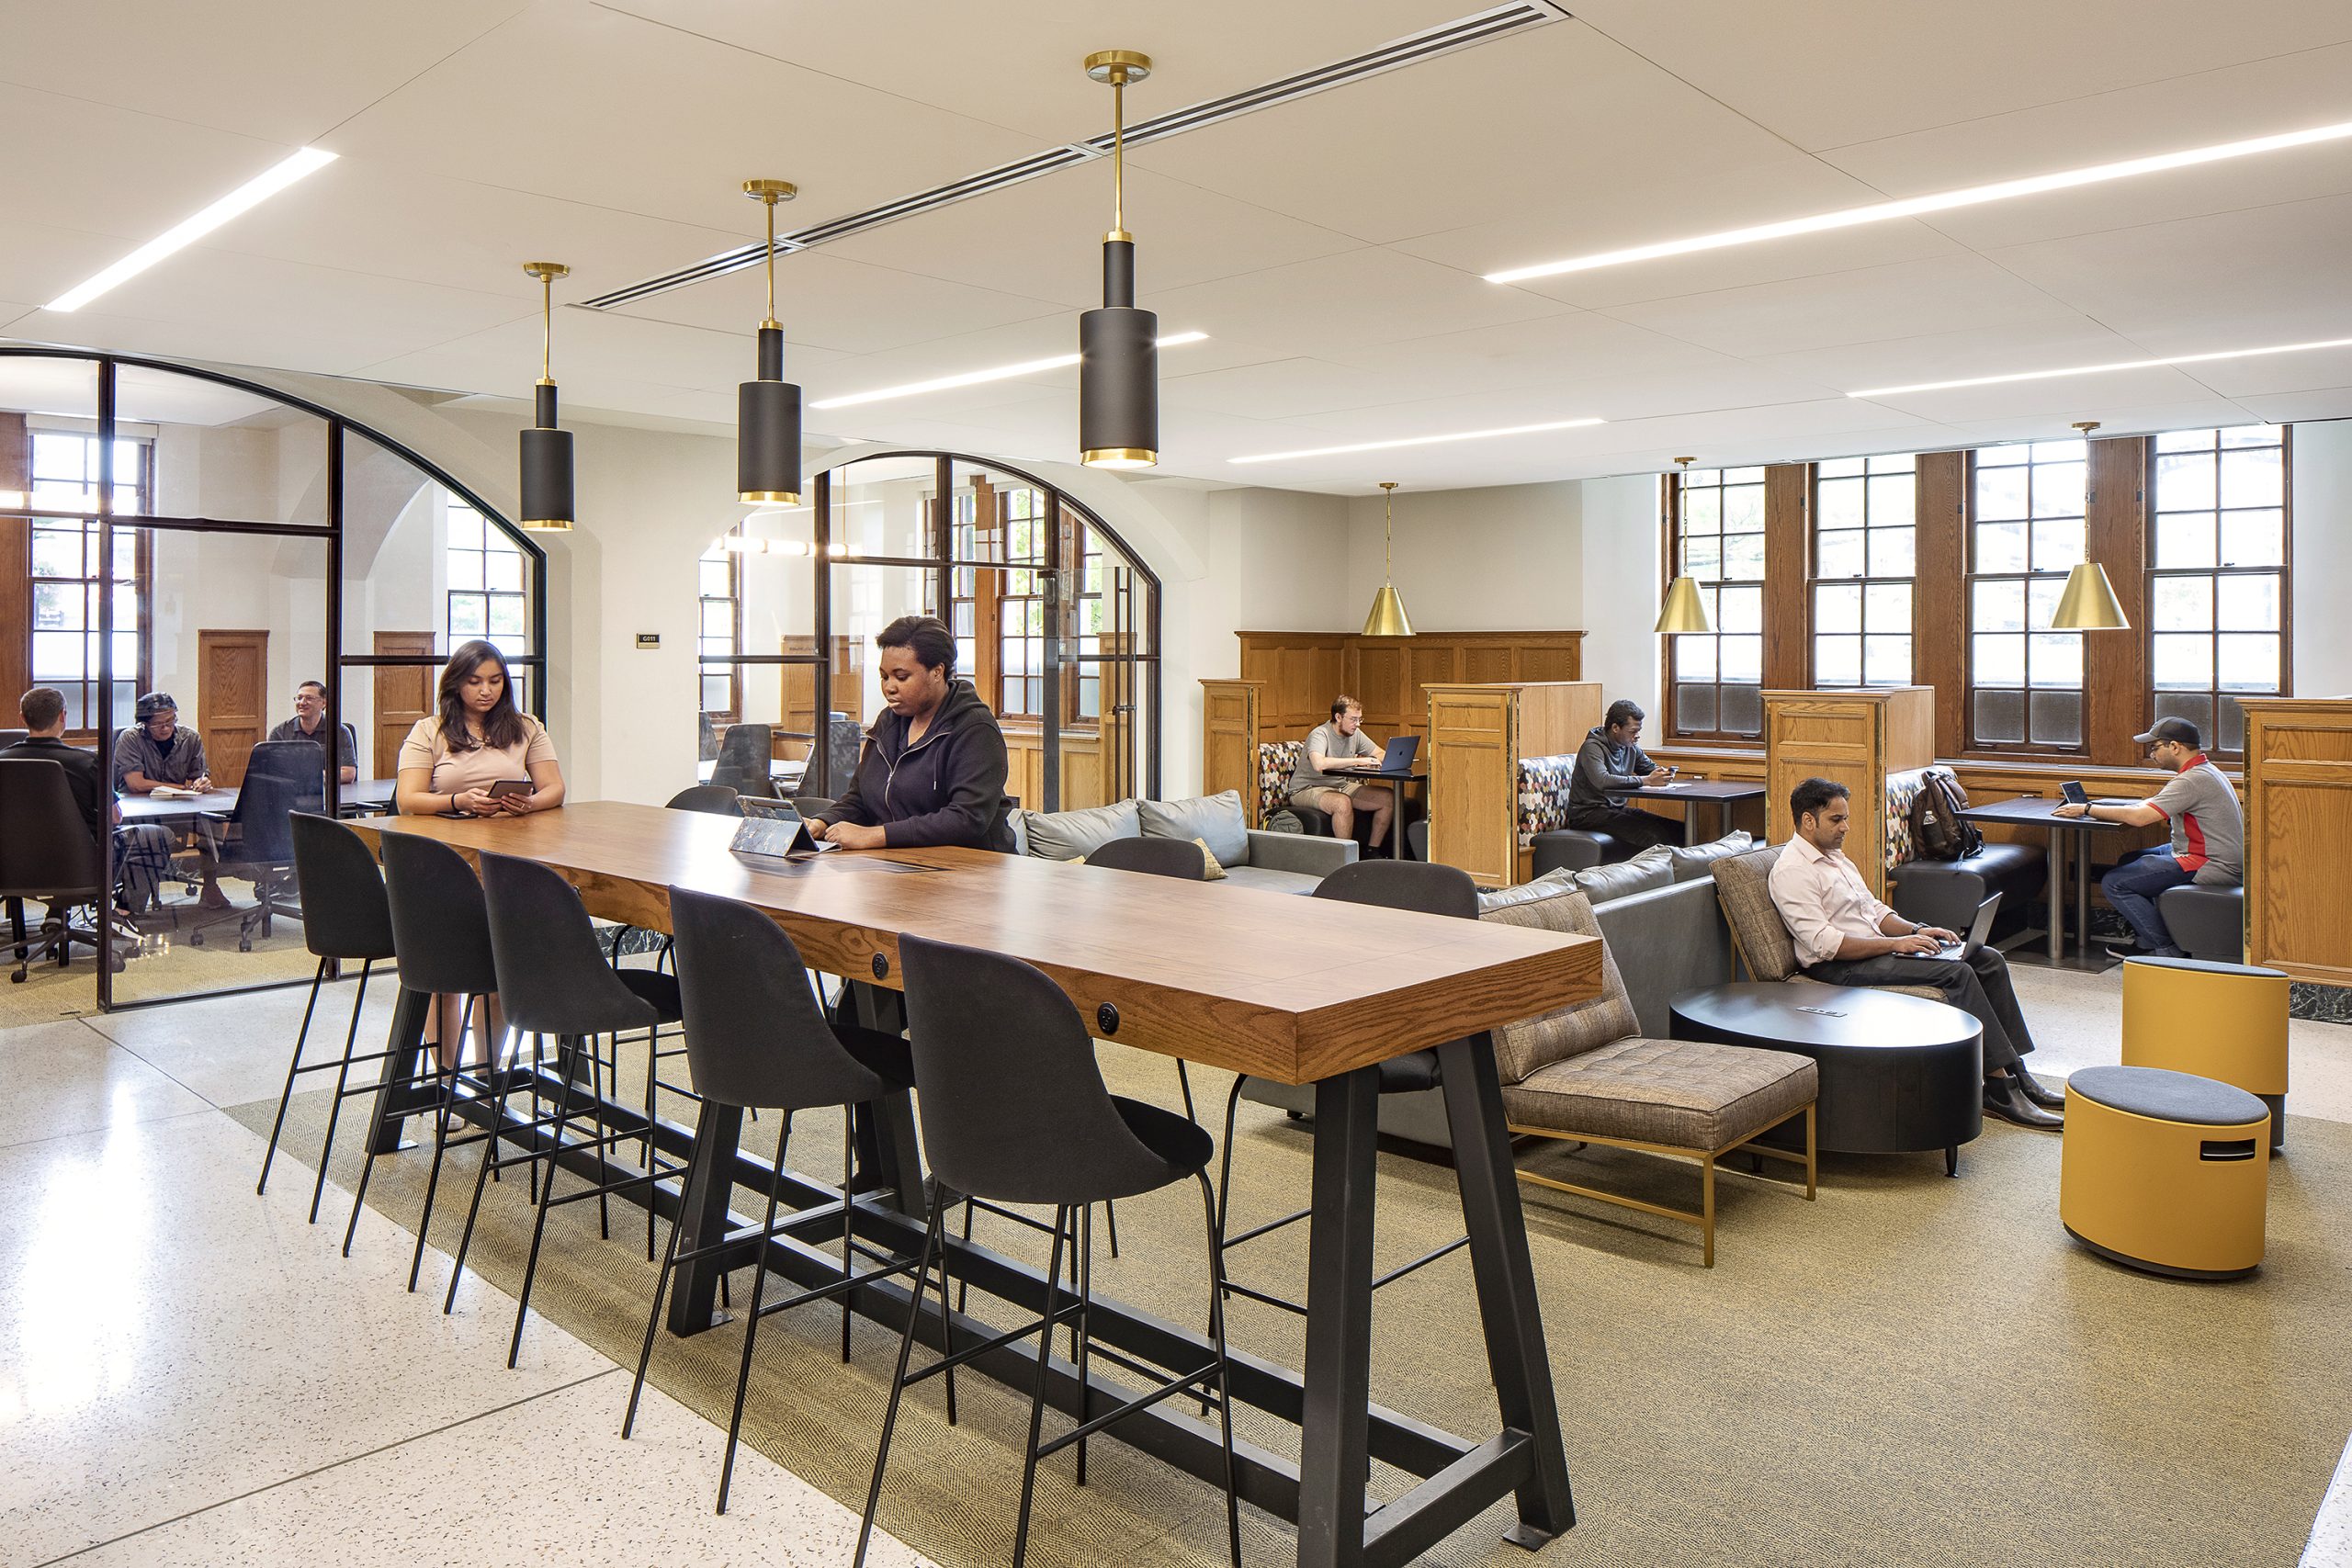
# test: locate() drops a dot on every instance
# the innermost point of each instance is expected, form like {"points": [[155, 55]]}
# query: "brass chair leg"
{"points": [[1812, 1154], [1707, 1210]]}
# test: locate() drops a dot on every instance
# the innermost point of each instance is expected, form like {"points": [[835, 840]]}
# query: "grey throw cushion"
{"points": [[1216, 819], [1696, 862], [1074, 835], [1654, 867], [1524, 1048]]}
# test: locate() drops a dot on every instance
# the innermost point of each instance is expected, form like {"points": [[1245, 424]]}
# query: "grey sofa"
{"points": [[1273, 863]]}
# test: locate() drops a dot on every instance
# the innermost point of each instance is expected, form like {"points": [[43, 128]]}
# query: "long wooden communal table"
{"points": [[1294, 990]]}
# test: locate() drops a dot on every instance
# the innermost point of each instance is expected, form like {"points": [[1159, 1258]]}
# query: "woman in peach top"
{"points": [[450, 762], [478, 737]]}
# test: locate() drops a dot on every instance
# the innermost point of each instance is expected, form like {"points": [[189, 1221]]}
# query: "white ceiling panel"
{"points": [[2229, 280], [2067, 398], [1955, 356], [975, 60], [2287, 408], [504, 360], [1282, 388], [40, 262], [2115, 419], [2240, 379], [1045, 237], [282, 70], [1839, 72], [590, 104], [829, 301], [1574, 345], [1851, 307], [1360, 297]]}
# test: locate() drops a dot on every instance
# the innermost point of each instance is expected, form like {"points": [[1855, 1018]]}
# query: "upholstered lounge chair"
{"points": [[1586, 1074], [1759, 938]]}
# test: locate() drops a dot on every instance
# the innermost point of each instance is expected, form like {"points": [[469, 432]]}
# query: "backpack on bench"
{"points": [[1937, 831]]}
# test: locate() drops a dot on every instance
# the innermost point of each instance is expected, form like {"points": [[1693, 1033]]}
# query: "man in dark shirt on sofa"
{"points": [[1610, 763]]}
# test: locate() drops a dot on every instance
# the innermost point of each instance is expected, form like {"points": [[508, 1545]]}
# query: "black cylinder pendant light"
{"points": [[1118, 346], [547, 451], [767, 412]]}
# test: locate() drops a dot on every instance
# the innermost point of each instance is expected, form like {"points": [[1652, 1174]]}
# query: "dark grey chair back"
{"points": [[1179, 857], [716, 799], [46, 846], [554, 977], [754, 1036], [743, 758], [440, 924], [706, 739], [1012, 1104], [10, 737], [1404, 885], [848, 737], [813, 805], [345, 913]]}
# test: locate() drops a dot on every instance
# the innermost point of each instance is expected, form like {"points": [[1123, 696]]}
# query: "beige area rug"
{"points": [[1911, 1371], [168, 964]]}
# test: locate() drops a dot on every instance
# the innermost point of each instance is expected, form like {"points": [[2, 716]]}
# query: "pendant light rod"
{"points": [[1388, 530], [1118, 67], [546, 272], [768, 193]]}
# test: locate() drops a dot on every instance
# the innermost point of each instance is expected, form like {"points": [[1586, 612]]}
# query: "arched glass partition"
{"points": [[166, 529], [1057, 624]]}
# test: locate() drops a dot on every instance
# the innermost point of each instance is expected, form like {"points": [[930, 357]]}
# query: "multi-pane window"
{"points": [[2217, 577], [718, 628], [489, 589], [1094, 614], [2026, 532], [1021, 606], [1719, 544], [1865, 517], [66, 578]]}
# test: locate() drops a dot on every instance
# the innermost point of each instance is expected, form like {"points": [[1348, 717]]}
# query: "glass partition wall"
{"points": [[1056, 624], [175, 531]]}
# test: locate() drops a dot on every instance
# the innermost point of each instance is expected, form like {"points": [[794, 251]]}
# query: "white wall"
{"points": [[1622, 550], [2323, 559], [1505, 558]]}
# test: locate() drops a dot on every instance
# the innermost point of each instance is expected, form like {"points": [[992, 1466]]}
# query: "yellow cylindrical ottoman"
{"points": [[2165, 1171], [2217, 1020]]}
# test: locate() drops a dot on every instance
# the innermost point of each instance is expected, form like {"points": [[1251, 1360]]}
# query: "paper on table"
{"points": [[172, 792]]}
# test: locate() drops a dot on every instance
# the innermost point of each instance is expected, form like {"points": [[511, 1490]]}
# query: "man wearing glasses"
{"points": [[2207, 837]]}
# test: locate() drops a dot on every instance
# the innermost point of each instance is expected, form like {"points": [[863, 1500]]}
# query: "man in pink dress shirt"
{"points": [[1845, 936]]}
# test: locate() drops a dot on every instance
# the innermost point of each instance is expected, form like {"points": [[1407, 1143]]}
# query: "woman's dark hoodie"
{"points": [[946, 788]]}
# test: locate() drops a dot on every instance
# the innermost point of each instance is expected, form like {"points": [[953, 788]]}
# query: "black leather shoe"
{"points": [[2005, 1099], [2041, 1093]]}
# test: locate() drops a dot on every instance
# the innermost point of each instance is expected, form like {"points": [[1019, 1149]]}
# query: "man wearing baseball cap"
{"points": [[2207, 837]]}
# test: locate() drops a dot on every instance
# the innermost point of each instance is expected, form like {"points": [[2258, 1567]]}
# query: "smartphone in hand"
{"points": [[510, 787]]}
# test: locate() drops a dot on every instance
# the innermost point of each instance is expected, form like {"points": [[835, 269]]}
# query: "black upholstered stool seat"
{"points": [[2164, 1095]]}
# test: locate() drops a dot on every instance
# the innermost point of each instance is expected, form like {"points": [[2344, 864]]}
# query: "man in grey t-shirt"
{"points": [[2208, 835], [1321, 779]]}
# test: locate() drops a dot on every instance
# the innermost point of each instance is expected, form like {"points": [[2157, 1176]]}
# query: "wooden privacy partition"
{"points": [[1856, 738], [1230, 740], [1476, 736], [1301, 672], [2299, 836]]}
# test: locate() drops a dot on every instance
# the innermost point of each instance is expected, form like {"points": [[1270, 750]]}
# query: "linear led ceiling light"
{"points": [[977, 378], [250, 194], [1415, 441], [1942, 201], [2103, 369]]}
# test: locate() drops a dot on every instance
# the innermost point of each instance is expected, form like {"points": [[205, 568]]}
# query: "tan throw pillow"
{"points": [[1210, 870], [1524, 1048]]}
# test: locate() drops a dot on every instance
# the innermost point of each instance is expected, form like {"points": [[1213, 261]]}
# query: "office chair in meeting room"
{"points": [[46, 852], [552, 979], [756, 1038], [743, 758], [1416, 885], [1014, 1110], [254, 837], [345, 915]]}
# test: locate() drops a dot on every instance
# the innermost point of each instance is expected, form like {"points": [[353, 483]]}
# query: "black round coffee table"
{"points": [[1897, 1073]]}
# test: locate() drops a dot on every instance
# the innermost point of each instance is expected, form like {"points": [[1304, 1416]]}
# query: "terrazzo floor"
{"points": [[190, 1375]]}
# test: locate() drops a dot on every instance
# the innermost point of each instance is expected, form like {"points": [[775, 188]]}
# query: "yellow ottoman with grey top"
{"points": [[2217, 1020], [2165, 1171]]}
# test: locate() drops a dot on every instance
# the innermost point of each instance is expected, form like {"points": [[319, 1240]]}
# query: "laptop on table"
{"points": [[1398, 758], [1978, 929]]}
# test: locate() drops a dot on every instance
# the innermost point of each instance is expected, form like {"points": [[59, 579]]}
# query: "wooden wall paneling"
{"points": [[2115, 663], [233, 696], [1555, 716], [1433, 663], [1383, 682], [1550, 662], [1939, 593], [2299, 836], [1855, 738], [403, 695], [15, 569], [1473, 781], [1302, 672], [1788, 569], [1230, 740]]}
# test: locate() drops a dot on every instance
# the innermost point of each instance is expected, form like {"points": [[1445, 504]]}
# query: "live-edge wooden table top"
{"points": [[1282, 986]]}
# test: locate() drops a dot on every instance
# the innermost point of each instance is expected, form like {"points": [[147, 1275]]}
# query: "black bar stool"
{"points": [[1419, 885], [344, 917], [553, 979], [755, 1038], [441, 933], [1014, 1110]]}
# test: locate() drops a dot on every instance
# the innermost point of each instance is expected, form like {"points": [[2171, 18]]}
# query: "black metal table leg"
{"points": [[702, 1216], [400, 1097], [1334, 1457], [1508, 1310]]}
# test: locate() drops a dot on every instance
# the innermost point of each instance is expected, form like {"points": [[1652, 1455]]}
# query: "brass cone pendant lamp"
{"points": [[1388, 617], [767, 411], [1118, 346], [2088, 603], [1683, 611], [547, 451]]}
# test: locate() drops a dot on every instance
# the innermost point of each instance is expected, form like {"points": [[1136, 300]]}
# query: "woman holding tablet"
{"points": [[477, 752]]}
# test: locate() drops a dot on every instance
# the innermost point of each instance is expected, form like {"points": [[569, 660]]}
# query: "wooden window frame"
{"points": [[2284, 571], [1814, 582], [1670, 684], [1975, 744], [733, 712], [142, 490]]}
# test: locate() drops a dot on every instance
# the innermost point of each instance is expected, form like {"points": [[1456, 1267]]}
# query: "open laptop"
{"points": [[2076, 794], [1396, 758], [1978, 929]]}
